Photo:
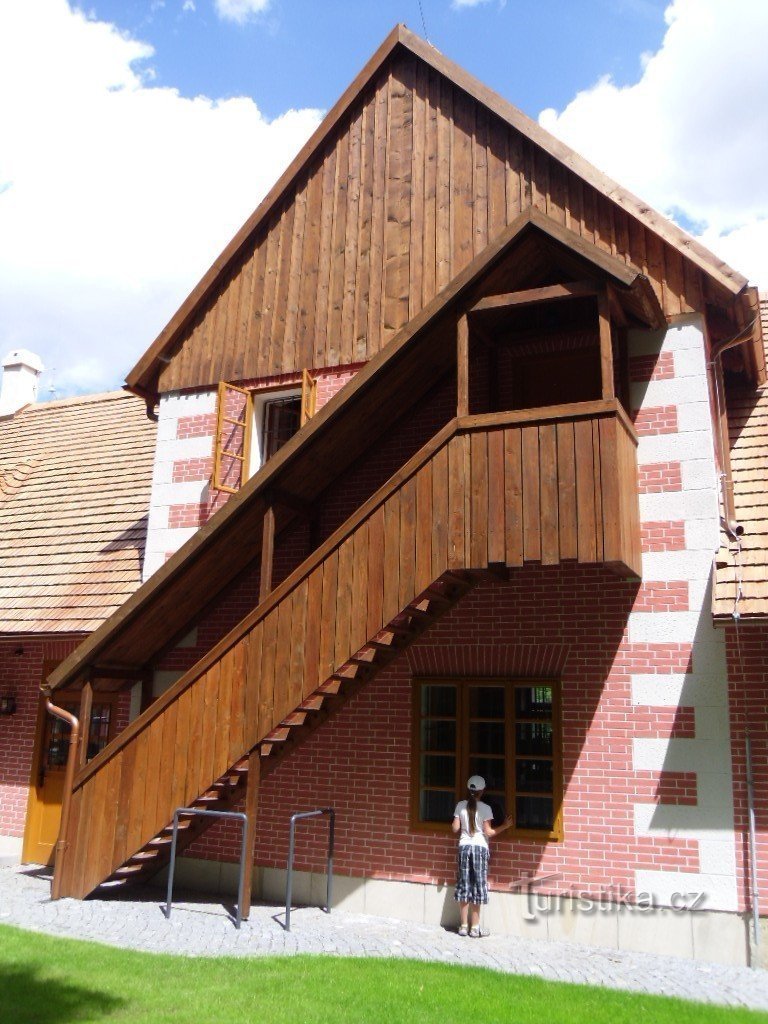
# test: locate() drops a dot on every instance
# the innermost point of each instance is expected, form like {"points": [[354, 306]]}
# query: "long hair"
{"points": [[472, 812]]}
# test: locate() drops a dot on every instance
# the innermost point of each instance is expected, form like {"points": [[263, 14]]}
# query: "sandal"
{"points": [[463, 932], [478, 933]]}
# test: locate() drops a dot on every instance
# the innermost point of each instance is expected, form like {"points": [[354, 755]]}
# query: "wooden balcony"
{"points": [[552, 485]]}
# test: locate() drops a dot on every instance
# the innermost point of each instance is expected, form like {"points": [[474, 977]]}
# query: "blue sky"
{"points": [[302, 53], [138, 135]]}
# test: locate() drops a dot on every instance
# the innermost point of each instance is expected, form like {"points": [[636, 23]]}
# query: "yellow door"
{"points": [[48, 766]]}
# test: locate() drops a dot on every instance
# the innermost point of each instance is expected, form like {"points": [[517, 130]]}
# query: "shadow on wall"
{"points": [[703, 756], [35, 996]]}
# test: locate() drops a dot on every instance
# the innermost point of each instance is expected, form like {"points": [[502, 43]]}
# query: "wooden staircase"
{"points": [[486, 492], [227, 792]]}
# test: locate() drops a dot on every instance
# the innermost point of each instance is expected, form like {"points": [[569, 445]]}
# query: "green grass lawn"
{"points": [[61, 981]]}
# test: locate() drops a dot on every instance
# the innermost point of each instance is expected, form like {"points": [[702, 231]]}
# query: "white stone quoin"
{"points": [[21, 371]]}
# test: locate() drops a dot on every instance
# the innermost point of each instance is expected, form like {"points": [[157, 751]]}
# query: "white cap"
{"points": [[475, 783]]}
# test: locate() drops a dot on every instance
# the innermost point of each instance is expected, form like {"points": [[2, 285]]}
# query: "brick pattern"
{"points": [[666, 787], [663, 596], [645, 368], [659, 477], [660, 419], [203, 425], [665, 723], [360, 759], [666, 535], [190, 470]]}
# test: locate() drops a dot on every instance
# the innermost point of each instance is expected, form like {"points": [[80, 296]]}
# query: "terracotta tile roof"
{"points": [[75, 480], [747, 562]]}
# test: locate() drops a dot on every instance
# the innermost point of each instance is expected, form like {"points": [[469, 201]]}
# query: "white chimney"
{"points": [[21, 369]]}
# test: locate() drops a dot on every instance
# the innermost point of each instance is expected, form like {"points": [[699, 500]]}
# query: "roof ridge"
{"points": [[60, 403]]}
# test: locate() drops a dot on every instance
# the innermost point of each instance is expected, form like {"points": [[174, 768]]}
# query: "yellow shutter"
{"points": [[308, 396], [232, 443]]}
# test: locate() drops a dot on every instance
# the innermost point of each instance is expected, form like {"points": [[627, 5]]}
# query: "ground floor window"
{"points": [[508, 731]]}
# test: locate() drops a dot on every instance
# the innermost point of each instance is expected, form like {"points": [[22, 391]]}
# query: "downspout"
{"points": [[69, 774]]}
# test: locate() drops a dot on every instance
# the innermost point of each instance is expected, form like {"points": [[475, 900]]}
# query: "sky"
{"points": [[137, 135]]}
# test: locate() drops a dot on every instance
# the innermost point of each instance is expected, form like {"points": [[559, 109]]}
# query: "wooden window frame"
{"points": [[219, 452], [555, 834], [307, 389]]}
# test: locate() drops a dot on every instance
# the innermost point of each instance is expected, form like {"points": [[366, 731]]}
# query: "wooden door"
{"points": [[49, 763]]}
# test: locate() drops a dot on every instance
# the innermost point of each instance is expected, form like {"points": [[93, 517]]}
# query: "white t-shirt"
{"points": [[482, 813]]}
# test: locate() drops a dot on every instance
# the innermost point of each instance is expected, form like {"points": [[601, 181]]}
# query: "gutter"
{"points": [[62, 843]]}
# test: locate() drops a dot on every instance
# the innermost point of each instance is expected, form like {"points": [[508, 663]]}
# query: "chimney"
{"points": [[21, 369]]}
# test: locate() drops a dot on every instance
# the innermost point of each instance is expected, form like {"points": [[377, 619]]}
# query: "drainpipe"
{"points": [[62, 842]]}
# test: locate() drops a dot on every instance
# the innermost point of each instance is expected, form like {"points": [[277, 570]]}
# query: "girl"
{"points": [[472, 818]]}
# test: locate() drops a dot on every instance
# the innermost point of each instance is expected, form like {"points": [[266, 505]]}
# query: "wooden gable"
{"points": [[411, 175]]}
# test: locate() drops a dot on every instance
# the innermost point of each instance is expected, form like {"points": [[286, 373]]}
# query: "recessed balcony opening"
{"points": [[537, 355]]}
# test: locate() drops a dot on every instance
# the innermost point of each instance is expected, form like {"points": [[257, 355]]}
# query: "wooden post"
{"points": [[462, 366], [86, 704], [267, 552], [146, 690], [606, 345], [251, 813]]}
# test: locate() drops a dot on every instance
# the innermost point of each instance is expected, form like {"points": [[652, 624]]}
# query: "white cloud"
{"points": [[691, 135], [240, 11], [115, 196], [188, 5]]}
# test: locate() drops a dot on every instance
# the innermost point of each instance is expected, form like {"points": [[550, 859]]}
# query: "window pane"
{"points": [[438, 735], [533, 738], [282, 418], [533, 701], [491, 769], [438, 700], [486, 702], [486, 738], [534, 812], [438, 770], [98, 734], [436, 806], [533, 776]]}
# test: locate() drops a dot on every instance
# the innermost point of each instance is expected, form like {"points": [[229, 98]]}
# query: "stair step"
{"points": [[331, 686], [295, 718], [278, 735], [128, 869], [145, 855], [366, 656], [312, 703]]}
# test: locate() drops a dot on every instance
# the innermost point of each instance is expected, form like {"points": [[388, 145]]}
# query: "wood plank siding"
{"points": [[502, 488], [414, 181]]}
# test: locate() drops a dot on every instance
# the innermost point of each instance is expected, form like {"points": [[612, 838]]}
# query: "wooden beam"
{"points": [[462, 366], [267, 553], [529, 296], [251, 814], [86, 704], [606, 344]]}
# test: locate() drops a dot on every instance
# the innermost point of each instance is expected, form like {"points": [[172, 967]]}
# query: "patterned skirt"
{"points": [[472, 874]]}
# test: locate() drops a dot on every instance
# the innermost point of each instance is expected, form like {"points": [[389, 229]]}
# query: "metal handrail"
{"points": [[289, 877], [243, 854]]}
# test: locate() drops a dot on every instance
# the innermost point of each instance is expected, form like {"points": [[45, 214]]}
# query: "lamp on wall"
{"points": [[8, 704]]}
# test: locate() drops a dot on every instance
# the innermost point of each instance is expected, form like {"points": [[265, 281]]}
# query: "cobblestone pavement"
{"points": [[201, 927]]}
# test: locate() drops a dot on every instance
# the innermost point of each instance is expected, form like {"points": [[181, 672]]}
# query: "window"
{"points": [[508, 731], [253, 424]]}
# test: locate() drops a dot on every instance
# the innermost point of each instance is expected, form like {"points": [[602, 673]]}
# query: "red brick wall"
{"points": [[748, 693], [359, 761]]}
